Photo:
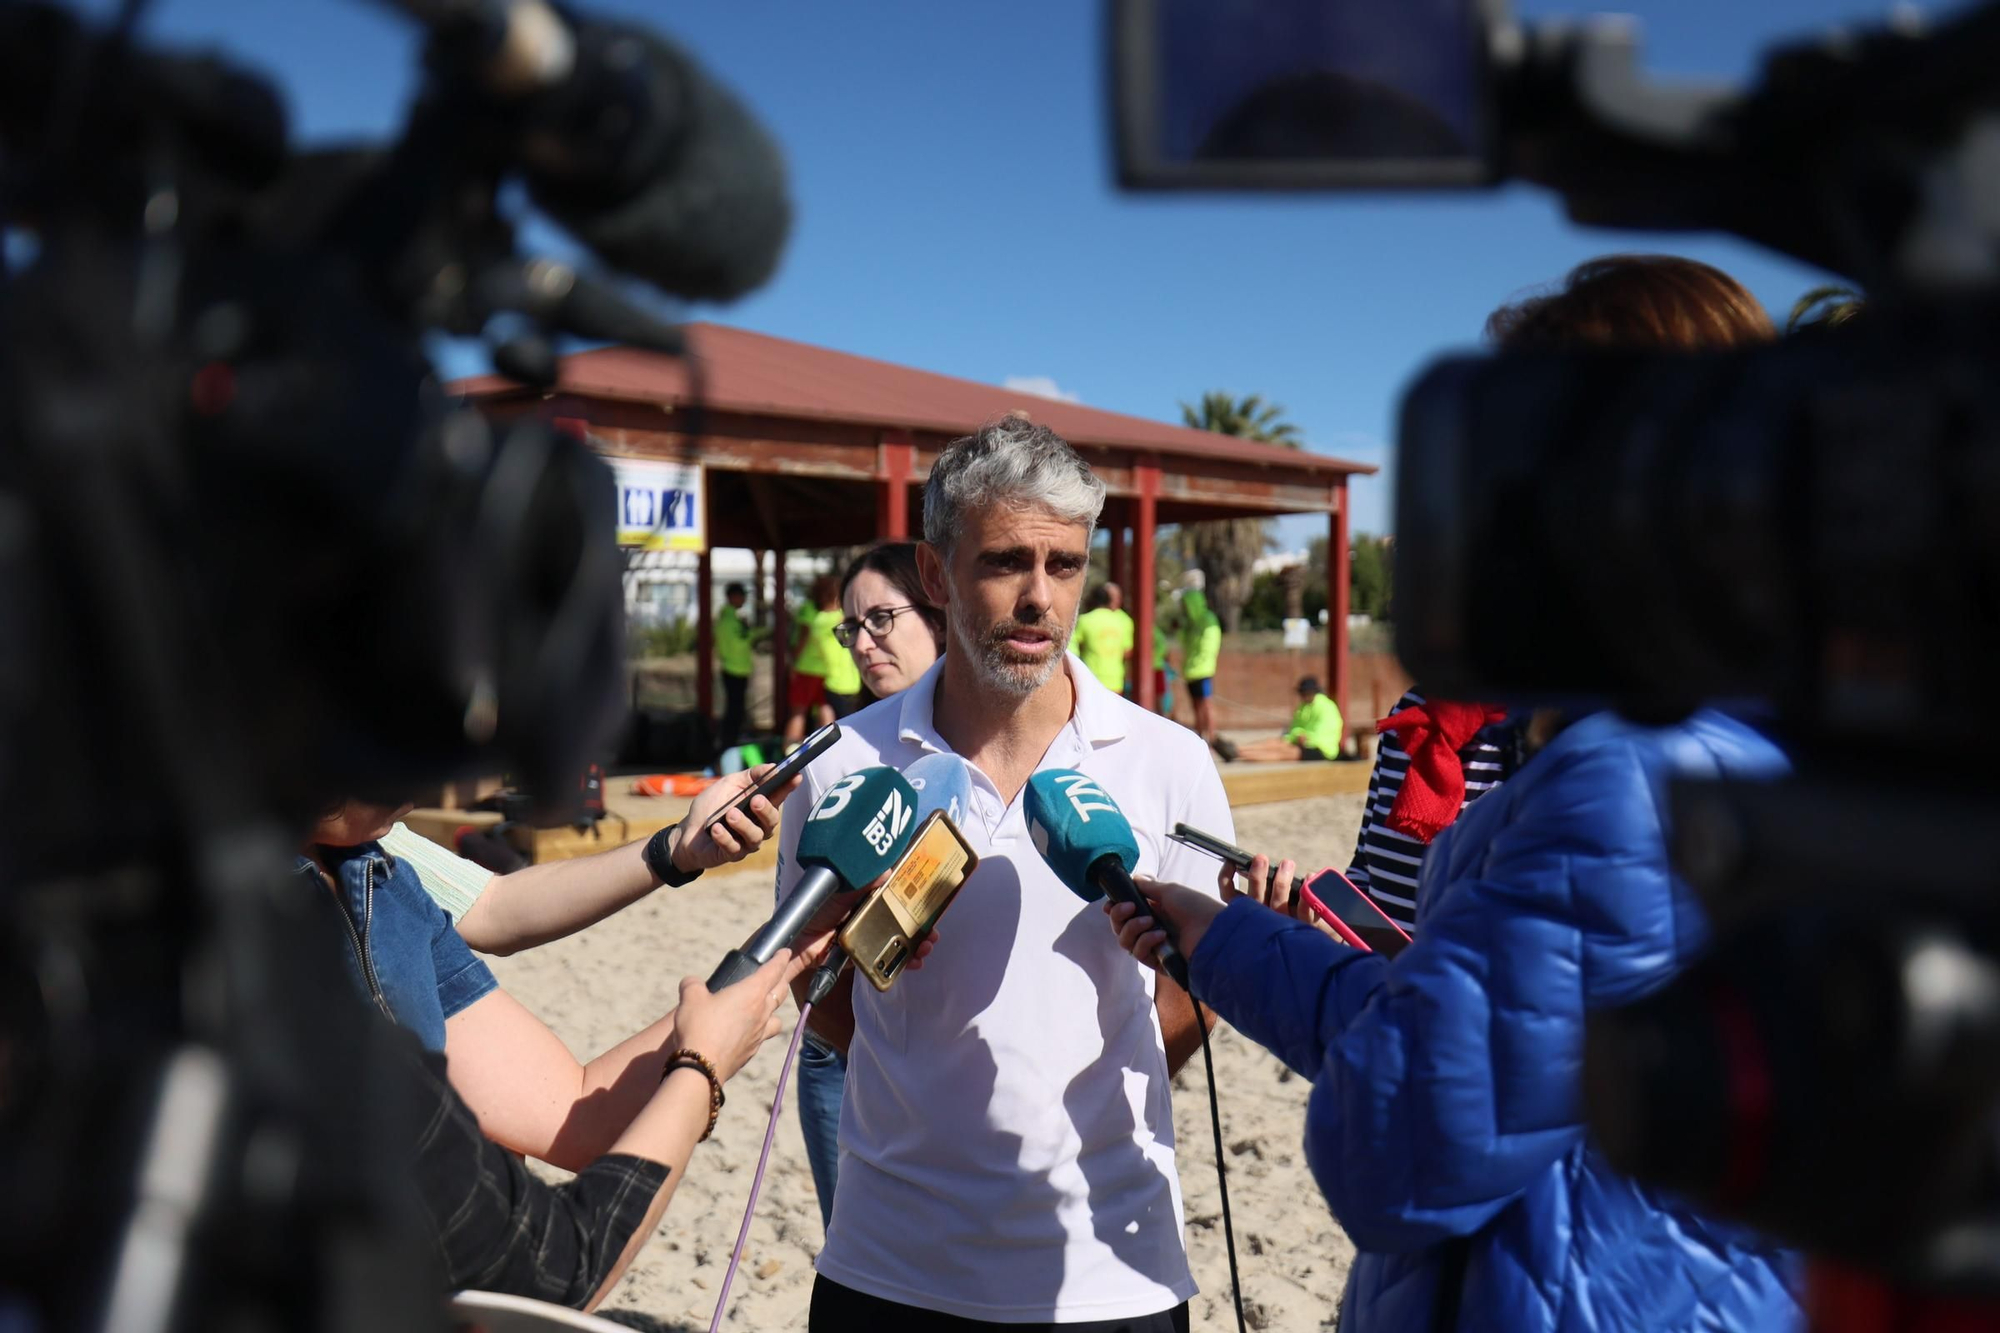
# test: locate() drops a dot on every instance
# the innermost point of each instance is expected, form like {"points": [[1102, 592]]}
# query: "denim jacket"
{"points": [[403, 952]]}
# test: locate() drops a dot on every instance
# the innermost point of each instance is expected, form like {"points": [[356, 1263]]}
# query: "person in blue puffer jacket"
{"points": [[1446, 1125]]}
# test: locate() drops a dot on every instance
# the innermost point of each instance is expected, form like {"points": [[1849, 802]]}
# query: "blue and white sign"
{"points": [[660, 505]]}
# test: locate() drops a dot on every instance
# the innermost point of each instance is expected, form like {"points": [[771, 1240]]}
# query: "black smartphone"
{"points": [[811, 748], [1351, 913], [1226, 851]]}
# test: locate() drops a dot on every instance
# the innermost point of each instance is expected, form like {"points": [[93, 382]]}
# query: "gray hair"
{"points": [[1010, 461]]}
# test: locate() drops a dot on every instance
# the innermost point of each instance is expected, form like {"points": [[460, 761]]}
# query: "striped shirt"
{"points": [[1387, 863]]}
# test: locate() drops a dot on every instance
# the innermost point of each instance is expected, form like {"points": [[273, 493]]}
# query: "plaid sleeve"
{"points": [[500, 1228]]}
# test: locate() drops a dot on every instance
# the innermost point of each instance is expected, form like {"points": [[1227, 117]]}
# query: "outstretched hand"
{"points": [[1186, 911], [706, 842], [816, 938], [1275, 892]]}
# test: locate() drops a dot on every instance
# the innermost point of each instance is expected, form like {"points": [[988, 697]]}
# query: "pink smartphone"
{"points": [[1357, 911], [1351, 914]]}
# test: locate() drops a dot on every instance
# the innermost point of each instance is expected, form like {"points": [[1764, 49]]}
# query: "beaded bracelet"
{"points": [[684, 1058]]}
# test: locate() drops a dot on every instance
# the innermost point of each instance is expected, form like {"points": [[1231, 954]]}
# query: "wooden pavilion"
{"points": [[802, 447]]}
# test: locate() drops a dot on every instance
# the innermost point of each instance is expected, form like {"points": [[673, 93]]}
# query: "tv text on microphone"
{"points": [[1087, 841]]}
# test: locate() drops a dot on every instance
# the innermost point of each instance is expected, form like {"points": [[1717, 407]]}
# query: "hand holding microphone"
{"points": [[858, 830]]}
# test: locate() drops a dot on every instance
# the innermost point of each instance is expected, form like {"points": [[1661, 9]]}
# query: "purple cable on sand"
{"points": [[763, 1159]]}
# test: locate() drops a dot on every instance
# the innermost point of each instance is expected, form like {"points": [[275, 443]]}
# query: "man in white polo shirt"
{"points": [[1007, 1146]]}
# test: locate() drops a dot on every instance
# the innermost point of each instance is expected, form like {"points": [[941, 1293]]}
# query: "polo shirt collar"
{"points": [[1099, 718]]}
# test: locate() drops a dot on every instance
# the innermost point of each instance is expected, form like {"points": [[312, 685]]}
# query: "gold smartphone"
{"points": [[884, 931]]}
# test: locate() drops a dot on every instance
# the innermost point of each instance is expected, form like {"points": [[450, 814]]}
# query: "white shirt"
{"points": [[1007, 1141]]}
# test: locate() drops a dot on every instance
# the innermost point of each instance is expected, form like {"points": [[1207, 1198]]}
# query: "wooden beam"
{"points": [[704, 636], [1143, 579], [1336, 603], [896, 457], [781, 639]]}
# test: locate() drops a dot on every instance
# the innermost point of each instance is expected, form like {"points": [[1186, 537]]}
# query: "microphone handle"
{"points": [[1109, 874], [815, 887], [826, 974]]}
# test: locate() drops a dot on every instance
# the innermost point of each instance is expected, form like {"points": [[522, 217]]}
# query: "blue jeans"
{"points": [[822, 1085]]}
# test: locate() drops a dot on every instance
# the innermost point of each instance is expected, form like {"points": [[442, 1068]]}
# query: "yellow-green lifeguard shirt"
{"points": [[1317, 723], [1103, 637]]}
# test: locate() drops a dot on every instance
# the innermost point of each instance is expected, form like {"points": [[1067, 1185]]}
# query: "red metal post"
{"points": [[1146, 478], [781, 640], [704, 637], [1336, 608], [896, 459]]}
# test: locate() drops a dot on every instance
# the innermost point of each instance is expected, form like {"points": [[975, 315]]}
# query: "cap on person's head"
{"points": [[1308, 684], [735, 590], [1193, 581]]}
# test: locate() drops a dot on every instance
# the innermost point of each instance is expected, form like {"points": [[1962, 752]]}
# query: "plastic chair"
{"points": [[491, 1312]]}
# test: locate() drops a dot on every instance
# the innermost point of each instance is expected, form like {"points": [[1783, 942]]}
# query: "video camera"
{"points": [[1807, 528], [253, 560]]}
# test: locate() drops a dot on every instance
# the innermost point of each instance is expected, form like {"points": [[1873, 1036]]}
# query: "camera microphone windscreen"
{"points": [[1088, 842], [692, 199], [858, 829]]}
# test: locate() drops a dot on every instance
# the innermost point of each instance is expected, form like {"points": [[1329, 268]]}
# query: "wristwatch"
{"points": [[660, 858]]}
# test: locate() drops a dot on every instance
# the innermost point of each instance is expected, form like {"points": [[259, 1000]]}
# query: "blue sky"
{"points": [[956, 212]]}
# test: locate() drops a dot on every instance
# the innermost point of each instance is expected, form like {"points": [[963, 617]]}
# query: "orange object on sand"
{"points": [[671, 784]]}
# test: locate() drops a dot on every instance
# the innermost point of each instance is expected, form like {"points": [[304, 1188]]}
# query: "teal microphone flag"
{"points": [[1088, 842], [1075, 824]]}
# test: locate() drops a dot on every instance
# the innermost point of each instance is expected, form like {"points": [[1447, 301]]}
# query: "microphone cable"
{"points": [[764, 1160], [1221, 1168]]}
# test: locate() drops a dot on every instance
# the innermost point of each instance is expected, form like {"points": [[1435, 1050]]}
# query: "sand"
{"points": [[598, 987]]}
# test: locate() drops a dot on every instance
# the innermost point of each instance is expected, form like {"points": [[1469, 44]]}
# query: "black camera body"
{"points": [[253, 562], [1807, 532]]}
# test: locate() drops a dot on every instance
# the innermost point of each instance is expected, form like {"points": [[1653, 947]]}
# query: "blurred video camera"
{"points": [[253, 560], [1811, 528]]}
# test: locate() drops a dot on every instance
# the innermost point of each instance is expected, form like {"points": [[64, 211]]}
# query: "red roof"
{"points": [[756, 373]]}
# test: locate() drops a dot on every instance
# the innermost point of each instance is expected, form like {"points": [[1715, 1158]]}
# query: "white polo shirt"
{"points": [[1007, 1142]]}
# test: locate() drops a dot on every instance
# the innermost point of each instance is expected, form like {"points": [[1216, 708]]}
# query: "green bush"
{"points": [[669, 640]]}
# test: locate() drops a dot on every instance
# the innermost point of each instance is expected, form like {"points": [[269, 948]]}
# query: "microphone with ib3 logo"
{"points": [[857, 830], [1088, 842], [885, 931]]}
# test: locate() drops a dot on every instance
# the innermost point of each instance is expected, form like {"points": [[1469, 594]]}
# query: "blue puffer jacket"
{"points": [[1447, 1096]]}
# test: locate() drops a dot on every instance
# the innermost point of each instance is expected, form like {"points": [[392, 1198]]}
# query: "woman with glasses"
{"points": [[895, 634]]}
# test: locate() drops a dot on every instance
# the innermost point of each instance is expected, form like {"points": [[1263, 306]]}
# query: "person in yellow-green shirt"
{"points": [[1201, 648], [1104, 637], [815, 665], [733, 644], [1314, 733]]}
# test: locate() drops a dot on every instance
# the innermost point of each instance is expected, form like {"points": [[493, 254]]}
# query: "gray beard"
{"points": [[999, 668]]}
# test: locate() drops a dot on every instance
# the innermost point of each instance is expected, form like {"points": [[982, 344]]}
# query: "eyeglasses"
{"points": [[877, 622]]}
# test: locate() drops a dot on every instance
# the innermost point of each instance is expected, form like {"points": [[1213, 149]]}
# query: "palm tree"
{"points": [[1225, 549], [1828, 306]]}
